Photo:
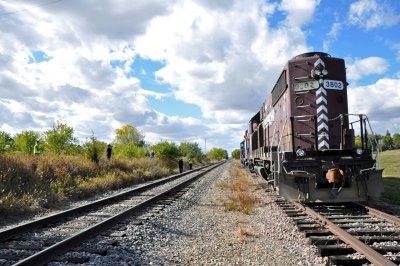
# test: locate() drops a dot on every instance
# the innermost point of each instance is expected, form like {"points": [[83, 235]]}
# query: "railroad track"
{"points": [[348, 233], [48, 239]]}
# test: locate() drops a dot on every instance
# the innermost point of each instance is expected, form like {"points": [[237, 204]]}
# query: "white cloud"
{"points": [[219, 55], [215, 60], [380, 102], [332, 36], [77, 85], [369, 14], [359, 68], [299, 11]]}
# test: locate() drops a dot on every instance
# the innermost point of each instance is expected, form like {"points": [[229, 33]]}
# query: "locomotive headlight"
{"points": [[317, 72], [324, 72], [300, 152], [359, 151]]}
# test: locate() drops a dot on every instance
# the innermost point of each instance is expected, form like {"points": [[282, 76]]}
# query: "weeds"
{"points": [[240, 191], [244, 233], [242, 201], [28, 183]]}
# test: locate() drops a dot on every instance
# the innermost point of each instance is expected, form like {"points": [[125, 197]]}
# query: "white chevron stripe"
{"points": [[322, 108], [322, 126], [323, 145], [322, 117], [321, 99], [321, 90], [319, 61], [323, 135]]}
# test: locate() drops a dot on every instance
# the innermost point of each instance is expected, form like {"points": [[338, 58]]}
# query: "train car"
{"points": [[302, 140]]}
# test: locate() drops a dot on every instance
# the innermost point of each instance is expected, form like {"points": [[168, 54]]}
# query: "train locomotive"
{"points": [[302, 140]]}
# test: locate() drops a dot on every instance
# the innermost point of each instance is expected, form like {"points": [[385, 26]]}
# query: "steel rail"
{"points": [[60, 248], [381, 215], [51, 219], [372, 255]]}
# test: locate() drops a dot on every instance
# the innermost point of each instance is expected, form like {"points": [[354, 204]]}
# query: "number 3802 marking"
{"points": [[333, 84]]}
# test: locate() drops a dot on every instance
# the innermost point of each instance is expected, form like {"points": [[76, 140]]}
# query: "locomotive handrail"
{"points": [[303, 106], [302, 116], [302, 92], [365, 118], [367, 169], [300, 78], [270, 152], [377, 158], [304, 134], [279, 145], [272, 142]]}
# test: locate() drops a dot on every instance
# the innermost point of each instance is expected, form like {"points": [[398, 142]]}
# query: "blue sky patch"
{"points": [[144, 70], [38, 57]]}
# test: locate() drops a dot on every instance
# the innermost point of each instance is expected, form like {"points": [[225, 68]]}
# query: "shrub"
{"points": [[129, 151], [217, 154], [236, 154], [59, 138], [29, 182], [25, 141], [6, 141]]}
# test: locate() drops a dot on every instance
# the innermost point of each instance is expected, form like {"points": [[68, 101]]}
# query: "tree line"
{"points": [[385, 142], [129, 142]]}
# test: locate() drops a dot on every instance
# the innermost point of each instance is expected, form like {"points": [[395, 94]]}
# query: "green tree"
{"points": [[374, 139], [25, 141], [6, 141], [191, 150], [75, 149], [129, 142], [129, 151], [387, 141], [357, 141], [128, 134], [236, 154], [166, 150], [396, 140], [60, 138], [217, 154], [93, 149]]}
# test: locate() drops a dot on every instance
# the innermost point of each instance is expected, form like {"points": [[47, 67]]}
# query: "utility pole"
{"points": [[205, 145]]}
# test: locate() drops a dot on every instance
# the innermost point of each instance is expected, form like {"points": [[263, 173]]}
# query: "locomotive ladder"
{"points": [[270, 154], [304, 118], [277, 170], [278, 150]]}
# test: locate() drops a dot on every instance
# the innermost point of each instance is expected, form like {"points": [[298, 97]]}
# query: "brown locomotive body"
{"points": [[302, 139]]}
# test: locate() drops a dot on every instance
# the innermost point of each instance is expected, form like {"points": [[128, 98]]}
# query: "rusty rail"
{"points": [[382, 215], [372, 255]]}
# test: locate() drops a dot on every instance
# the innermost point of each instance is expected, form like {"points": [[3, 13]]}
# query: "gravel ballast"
{"points": [[196, 230]]}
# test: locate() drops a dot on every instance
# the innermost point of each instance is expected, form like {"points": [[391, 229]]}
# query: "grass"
{"points": [[239, 196], [242, 201], [390, 162], [29, 183], [240, 190]]}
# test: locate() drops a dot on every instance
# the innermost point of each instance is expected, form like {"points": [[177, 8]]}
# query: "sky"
{"points": [[184, 70]]}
